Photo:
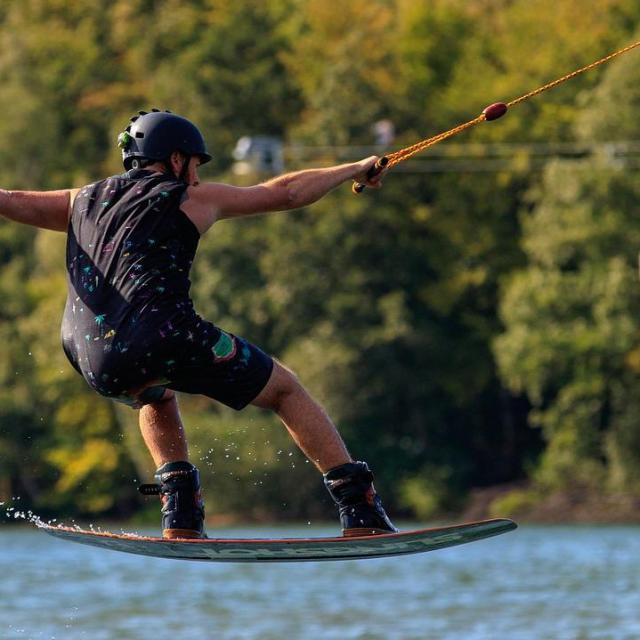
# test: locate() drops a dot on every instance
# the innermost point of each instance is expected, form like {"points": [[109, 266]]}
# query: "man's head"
{"points": [[166, 138], [181, 166]]}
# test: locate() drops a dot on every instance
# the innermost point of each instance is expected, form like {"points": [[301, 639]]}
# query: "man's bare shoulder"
{"points": [[209, 202], [72, 198], [198, 204]]}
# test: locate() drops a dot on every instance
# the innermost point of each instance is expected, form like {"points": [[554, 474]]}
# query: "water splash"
{"points": [[29, 517], [15, 513], [12, 512]]}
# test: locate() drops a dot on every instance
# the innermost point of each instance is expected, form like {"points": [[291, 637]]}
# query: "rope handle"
{"points": [[376, 169], [492, 112]]}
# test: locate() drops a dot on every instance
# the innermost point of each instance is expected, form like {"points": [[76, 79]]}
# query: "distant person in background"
{"points": [[130, 328]]}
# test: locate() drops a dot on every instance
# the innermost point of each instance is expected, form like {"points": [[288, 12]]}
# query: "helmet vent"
{"points": [[139, 134]]}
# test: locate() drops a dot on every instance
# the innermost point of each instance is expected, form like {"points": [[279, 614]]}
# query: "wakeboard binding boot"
{"points": [[360, 508], [182, 504]]}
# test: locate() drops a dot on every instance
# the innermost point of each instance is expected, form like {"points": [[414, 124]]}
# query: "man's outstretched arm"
{"points": [[44, 209], [211, 201]]}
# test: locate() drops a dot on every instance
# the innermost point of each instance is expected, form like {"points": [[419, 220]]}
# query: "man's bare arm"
{"points": [[211, 201], [44, 209]]}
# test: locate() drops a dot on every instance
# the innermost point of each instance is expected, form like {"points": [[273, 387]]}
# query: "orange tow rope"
{"points": [[492, 112]]}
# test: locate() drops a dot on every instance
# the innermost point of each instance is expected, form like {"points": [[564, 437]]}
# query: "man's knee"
{"points": [[282, 384], [167, 397]]}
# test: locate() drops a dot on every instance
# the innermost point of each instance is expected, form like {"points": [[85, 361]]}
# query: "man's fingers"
{"points": [[371, 176]]}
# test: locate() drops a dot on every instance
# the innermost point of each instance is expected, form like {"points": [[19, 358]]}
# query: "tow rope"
{"points": [[492, 112]]}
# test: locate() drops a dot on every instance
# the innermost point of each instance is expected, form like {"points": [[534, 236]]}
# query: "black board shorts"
{"points": [[228, 369], [195, 357]]}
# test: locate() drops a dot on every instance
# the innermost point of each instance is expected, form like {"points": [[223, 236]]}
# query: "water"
{"points": [[538, 583]]}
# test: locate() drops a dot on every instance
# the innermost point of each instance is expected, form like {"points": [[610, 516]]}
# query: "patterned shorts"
{"points": [[198, 358]]}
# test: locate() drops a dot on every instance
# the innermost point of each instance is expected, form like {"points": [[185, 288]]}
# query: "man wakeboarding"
{"points": [[129, 325]]}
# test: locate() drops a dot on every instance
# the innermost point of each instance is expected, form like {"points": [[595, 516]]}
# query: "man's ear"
{"points": [[177, 161]]}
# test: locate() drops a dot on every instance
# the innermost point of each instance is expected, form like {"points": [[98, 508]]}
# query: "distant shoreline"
{"points": [[569, 506], [519, 501]]}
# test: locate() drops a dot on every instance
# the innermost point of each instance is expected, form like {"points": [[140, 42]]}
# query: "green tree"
{"points": [[341, 61], [571, 339]]}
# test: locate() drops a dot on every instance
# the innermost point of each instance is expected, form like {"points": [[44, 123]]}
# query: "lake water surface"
{"points": [[551, 583]]}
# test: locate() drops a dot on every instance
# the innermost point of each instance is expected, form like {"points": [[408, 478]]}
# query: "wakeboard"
{"points": [[287, 549]]}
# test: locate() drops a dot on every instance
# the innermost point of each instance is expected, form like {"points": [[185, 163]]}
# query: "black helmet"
{"points": [[156, 135]]}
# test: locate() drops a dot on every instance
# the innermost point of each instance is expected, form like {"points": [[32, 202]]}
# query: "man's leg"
{"points": [[349, 483], [307, 422], [163, 433], [162, 430]]}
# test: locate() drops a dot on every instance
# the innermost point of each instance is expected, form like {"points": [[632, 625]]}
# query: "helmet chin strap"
{"points": [[185, 169], [168, 167]]}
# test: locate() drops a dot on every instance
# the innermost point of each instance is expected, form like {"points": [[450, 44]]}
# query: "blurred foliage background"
{"points": [[472, 327]]}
